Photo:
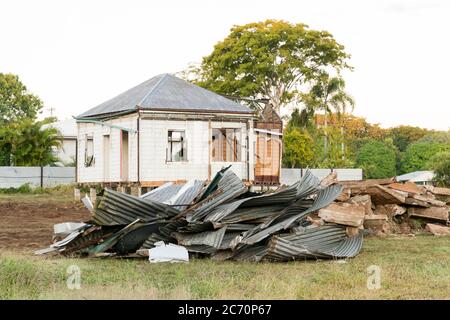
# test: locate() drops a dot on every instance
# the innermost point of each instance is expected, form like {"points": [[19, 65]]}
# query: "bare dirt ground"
{"points": [[26, 225]]}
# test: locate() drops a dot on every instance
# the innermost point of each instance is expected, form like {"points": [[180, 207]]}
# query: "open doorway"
{"points": [[124, 156]]}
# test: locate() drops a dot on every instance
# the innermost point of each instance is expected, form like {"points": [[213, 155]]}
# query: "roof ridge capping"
{"points": [[170, 93], [163, 77]]}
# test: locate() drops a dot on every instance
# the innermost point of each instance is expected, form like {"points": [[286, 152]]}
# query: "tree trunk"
{"points": [[325, 140], [342, 142]]}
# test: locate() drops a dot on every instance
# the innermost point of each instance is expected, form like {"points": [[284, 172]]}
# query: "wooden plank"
{"points": [[365, 201], [441, 191], [343, 213], [429, 200], [409, 187], [383, 195], [415, 202], [357, 185], [345, 195], [375, 221], [437, 230], [160, 183], [434, 213]]}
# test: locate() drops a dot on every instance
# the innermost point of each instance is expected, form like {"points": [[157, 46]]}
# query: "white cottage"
{"points": [[167, 129]]}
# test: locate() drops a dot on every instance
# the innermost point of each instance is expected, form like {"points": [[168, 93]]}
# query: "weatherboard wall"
{"points": [[153, 148], [96, 172]]}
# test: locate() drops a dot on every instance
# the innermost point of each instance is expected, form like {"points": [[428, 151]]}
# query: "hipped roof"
{"points": [[167, 92]]}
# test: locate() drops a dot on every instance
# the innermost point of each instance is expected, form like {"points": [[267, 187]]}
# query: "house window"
{"points": [[226, 145], [89, 160], [177, 146]]}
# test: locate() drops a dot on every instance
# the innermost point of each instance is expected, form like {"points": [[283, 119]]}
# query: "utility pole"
{"points": [[51, 109]]}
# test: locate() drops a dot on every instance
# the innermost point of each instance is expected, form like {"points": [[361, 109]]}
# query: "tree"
{"points": [[377, 159], [436, 137], [403, 136], [270, 59], [419, 153], [298, 152], [440, 164], [29, 143], [328, 95], [16, 103]]}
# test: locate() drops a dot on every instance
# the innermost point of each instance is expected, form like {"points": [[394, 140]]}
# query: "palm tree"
{"points": [[30, 143], [328, 95]]}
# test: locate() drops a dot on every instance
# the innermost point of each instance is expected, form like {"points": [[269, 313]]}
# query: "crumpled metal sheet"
{"points": [[329, 241], [303, 188], [292, 214], [229, 186], [324, 242], [179, 196], [164, 234], [204, 242], [116, 208]]}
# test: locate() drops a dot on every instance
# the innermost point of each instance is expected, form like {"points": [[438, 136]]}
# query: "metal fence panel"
{"points": [[289, 176], [14, 177], [349, 174]]}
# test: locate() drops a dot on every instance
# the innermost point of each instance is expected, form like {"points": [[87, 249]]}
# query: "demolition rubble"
{"points": [[223, 220]]}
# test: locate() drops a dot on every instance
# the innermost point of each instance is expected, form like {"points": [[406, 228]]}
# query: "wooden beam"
{"points": [[160, 183]]}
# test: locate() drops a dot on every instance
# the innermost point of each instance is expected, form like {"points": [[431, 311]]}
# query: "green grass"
{"points": [[411, 268], [59, 194]]}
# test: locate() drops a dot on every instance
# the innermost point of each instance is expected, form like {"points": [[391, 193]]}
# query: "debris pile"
{"points": [[385, 206], [225, 221], [221, 219]]}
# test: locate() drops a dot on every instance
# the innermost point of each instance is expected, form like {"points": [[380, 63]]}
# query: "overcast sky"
{"points": [[77, 54]]}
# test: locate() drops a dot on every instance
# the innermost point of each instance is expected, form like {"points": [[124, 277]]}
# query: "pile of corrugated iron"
{"points": [[221, 219]]}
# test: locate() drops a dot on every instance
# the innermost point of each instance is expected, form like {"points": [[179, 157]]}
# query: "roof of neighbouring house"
{"points": [[67, 127], [416, 176], [167, 92]]}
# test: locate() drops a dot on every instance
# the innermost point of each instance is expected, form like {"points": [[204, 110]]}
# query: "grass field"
{"points": [[411, 268]]}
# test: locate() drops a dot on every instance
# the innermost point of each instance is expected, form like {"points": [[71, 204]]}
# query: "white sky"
{"points": [[77, 54]]}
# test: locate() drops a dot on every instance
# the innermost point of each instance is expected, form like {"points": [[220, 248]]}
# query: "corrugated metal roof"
{"points": [[292, 214], [228, 187], [305, 187], [167, 92], [116, 208], [176, 195], [416, 176], [205, 242]]}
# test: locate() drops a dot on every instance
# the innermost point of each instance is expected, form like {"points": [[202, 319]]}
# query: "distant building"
{"points": [[67, 153], [419, 177]]}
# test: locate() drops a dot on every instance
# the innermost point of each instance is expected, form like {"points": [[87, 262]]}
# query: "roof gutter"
{"points": [[84, 120]]}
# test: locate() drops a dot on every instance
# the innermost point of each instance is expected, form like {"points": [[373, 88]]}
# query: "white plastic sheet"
{"points": [[167, 253]]}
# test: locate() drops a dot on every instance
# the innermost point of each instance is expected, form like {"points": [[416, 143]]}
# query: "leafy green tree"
{"points": [[328, 95], [270, 59], [403, 136], [440, 164], [418, 154], [377, 159], [436, 137], [16, 103], [29, 143], [297, 149]]}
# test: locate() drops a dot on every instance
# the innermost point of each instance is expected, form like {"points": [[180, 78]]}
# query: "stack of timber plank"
{"points": [[382, 205]]}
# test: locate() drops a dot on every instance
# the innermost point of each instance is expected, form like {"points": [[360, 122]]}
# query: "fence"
{"points": [[289, 176], [14, 177]]}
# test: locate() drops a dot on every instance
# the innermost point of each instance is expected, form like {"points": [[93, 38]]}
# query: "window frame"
{"points": [[223, 144], [169, 148]]}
